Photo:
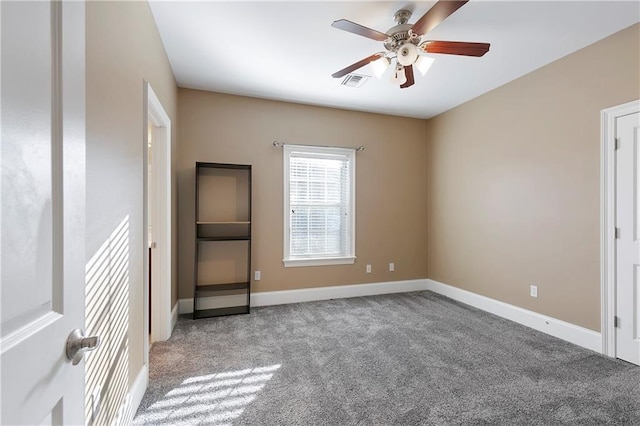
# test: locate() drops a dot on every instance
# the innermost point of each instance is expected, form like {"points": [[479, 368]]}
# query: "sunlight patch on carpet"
{"points": [[216, 399]]}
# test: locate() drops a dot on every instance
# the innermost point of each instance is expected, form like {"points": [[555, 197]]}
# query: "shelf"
{"points": [[238, 238], [231, 310], [220, 231], [223, 166], [222, 213], [223, 223], [206, 288]]}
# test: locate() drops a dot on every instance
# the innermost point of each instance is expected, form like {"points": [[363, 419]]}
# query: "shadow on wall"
{"points": [[214, 399], [107, 315]]}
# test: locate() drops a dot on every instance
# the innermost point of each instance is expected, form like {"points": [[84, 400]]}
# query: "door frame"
{"points": [[608, 118], [161, 324]]}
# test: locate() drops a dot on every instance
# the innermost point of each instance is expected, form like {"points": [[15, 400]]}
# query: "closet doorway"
{"points": [[157, 216]]}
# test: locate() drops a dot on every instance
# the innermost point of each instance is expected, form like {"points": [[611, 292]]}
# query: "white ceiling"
{"points": [[288, 50]]}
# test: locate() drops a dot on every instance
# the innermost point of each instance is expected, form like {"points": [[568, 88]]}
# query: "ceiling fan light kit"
{"points": [[423, 63], [407, 54], [404, 43], [379, 66]]}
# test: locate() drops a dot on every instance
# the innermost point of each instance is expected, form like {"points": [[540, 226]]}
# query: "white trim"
{"points": [[131, 402], [134, 398], [174, 315], [185, 306], [282, 297], [294, 263], [139, 387], [321, 152], [607, 220], [335, 292], [161, 313], [563, 330]]}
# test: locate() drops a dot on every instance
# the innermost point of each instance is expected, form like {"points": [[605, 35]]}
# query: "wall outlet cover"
{"points": [[95, 403]]}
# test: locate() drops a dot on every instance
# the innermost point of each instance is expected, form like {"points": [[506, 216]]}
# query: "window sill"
{"points": [[294, 263]]}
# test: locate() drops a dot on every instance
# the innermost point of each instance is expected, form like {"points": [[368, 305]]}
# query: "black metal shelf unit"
{"points": [[223, 215]]}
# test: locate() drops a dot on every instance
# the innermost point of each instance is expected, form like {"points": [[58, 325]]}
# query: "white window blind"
{"points": [[319, 205]]}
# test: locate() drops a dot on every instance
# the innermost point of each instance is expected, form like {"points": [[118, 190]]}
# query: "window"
{"points": [[319, 194]]}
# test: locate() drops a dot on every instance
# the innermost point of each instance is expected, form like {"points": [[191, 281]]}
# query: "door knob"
{"points": [[78, 344]]}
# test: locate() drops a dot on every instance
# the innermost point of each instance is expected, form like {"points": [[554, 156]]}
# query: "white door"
{"points": [[627, 331], [42, 211]]}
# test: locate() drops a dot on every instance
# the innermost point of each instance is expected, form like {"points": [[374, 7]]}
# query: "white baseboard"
{"points": [[563, 330], [174, 317], [335, 292], [572, 333], [133, 399], [139, 387], [282, 297], [185, 306]]}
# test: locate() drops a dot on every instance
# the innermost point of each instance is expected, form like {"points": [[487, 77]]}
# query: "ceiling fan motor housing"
{"points": [[400, 35]]}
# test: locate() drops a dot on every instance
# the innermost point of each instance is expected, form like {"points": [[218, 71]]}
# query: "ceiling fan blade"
{"points": [[408, 72], [352, 27], [456, 48], [355, 66], [438, 13]]}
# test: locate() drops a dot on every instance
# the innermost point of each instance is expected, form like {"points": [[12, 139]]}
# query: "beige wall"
{"points": [[513, 183], [391, 194], [123, 49]]}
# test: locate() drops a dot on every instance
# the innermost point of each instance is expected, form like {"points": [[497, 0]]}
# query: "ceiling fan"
{"points": [[404, 43]]}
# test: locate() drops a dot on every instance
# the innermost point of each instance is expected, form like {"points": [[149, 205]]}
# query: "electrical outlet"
{"points": [[256, 276], [368, 269], [392, 267], [534, 291], [95, 403]]}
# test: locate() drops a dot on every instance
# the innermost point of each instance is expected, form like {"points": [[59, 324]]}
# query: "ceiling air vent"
{"points": [[354, 80]]}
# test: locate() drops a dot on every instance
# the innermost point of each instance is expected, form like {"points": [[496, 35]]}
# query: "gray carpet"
{"points": [[402, 359]]}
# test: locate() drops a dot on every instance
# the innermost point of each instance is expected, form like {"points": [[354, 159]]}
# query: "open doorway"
{"points": [[157, 215]]}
